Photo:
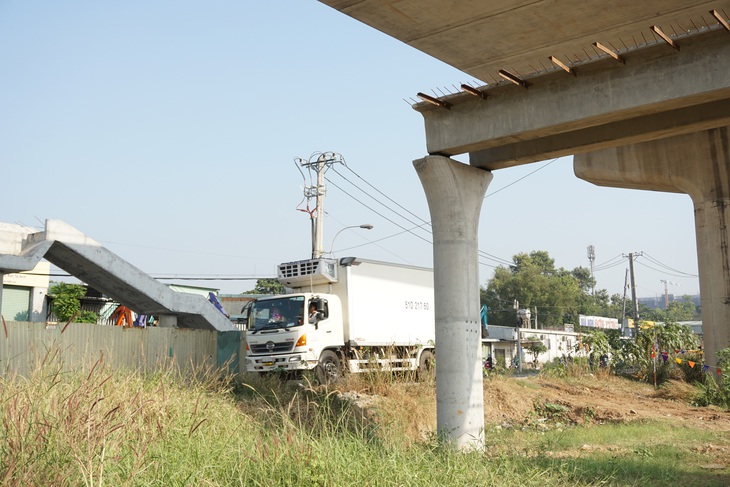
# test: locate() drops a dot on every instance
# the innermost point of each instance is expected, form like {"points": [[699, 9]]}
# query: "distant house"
{"points": [[502, 344], [24, 294]]}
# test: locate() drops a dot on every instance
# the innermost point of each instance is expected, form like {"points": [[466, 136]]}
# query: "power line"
{"points": [[619, 256], [383, 204], [177, 277], [662, 271], [615, 264], [655, 261], [520, 179], [376, 212], [389, 198], [482, 253]]}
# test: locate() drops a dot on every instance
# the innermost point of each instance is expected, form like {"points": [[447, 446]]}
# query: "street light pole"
{"points": [[365, 226]]}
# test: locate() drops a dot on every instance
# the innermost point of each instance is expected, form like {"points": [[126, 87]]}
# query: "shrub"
{"points": [[715, 392], [67, 303]]}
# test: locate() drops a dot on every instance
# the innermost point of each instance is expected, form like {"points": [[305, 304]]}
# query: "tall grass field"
{"points": [[101, 427]]}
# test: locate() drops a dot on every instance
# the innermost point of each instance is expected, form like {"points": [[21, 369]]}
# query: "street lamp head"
{"points": [[364, 226]]}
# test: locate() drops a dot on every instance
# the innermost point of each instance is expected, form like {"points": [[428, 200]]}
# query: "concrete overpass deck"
{"points": [[561, 78], [21, 248], [521, 36], [638, 92]]}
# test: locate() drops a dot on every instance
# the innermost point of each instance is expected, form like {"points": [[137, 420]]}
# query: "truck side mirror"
{"points": [[246, 314]]}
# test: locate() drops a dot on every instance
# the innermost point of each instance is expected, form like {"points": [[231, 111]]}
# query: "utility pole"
{"points": [[319, 232], [519, 335], [315, 167], [623, 303], [634, 299]]}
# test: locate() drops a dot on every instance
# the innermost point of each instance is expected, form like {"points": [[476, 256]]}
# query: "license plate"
{"points": [[267, 364]]}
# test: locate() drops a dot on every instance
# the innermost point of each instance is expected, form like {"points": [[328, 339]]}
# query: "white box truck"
{"points": [[352, 313]]}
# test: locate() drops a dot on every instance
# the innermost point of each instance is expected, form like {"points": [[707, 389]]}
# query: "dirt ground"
{"points": [[543, 402], [604, 399]]}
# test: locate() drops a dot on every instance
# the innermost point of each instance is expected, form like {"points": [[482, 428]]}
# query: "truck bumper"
{"points": [[269, 363]]}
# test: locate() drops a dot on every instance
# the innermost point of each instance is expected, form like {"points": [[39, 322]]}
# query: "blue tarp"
{"points": [[217, 304]]}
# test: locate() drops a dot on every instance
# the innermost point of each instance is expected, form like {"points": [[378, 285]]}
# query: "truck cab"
{"points": [[281, 335]]}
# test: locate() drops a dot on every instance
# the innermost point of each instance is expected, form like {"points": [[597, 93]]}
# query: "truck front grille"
{"points": [[280, 347]]}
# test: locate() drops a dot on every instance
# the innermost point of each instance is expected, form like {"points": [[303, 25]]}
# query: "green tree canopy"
{"points": [[684, 310], [558, 294], [534, 281], [267, 286]]}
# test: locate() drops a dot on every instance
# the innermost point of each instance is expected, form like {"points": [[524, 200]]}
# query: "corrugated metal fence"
{"points": [[24, 346]]}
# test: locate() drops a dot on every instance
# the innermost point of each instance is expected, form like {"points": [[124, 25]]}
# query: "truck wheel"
{"points": [[427, 363], [328, 369]]}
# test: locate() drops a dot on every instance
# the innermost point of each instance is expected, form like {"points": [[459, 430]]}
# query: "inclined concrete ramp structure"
{"points": [[21, 248]]}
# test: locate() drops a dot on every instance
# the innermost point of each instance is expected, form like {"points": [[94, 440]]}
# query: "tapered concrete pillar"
{"points": [[2, 276], [697, 164], [455, 192]]}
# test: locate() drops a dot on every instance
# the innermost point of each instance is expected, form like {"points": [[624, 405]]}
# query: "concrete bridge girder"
{"points": [[659, 92], [697, 164]]}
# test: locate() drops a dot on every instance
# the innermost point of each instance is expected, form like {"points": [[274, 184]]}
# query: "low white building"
{"points": [[502, 344], [24, 294]]}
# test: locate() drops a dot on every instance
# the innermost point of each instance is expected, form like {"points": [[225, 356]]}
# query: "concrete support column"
{"points": [[455, 192], [697, 164], [2, 276], [38, 304], [168, 321]]}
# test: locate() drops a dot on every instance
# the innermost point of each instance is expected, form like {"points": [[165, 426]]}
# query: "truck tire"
{"points": [[426, 363], [329, 369]]}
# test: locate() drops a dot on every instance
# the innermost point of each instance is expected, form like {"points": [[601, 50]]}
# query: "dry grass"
{"points": [[127, 428], [60, 428]]}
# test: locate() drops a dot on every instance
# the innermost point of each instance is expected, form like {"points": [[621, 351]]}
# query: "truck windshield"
{"points": [[277, 313]]}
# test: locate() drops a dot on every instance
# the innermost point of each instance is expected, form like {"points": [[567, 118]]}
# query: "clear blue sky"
{"points": [[167, 131]]}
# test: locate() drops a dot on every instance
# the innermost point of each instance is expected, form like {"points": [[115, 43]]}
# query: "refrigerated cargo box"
{"points": [[385, 304]]}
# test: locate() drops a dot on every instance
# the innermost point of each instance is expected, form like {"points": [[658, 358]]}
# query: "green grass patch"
{"points": [[640, 454]]}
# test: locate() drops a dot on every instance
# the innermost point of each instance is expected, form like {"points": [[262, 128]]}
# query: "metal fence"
{"points": [[25, 346]]}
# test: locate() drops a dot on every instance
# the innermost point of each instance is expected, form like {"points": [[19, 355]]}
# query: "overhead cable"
{"points": [[655, 261], [662, 271]]}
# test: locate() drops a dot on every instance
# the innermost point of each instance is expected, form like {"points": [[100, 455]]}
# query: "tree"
{"points": [[684, 310], [596, 344], [67, 303], [617, 308], [534, 281], [535, 348], [267, 286]]}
